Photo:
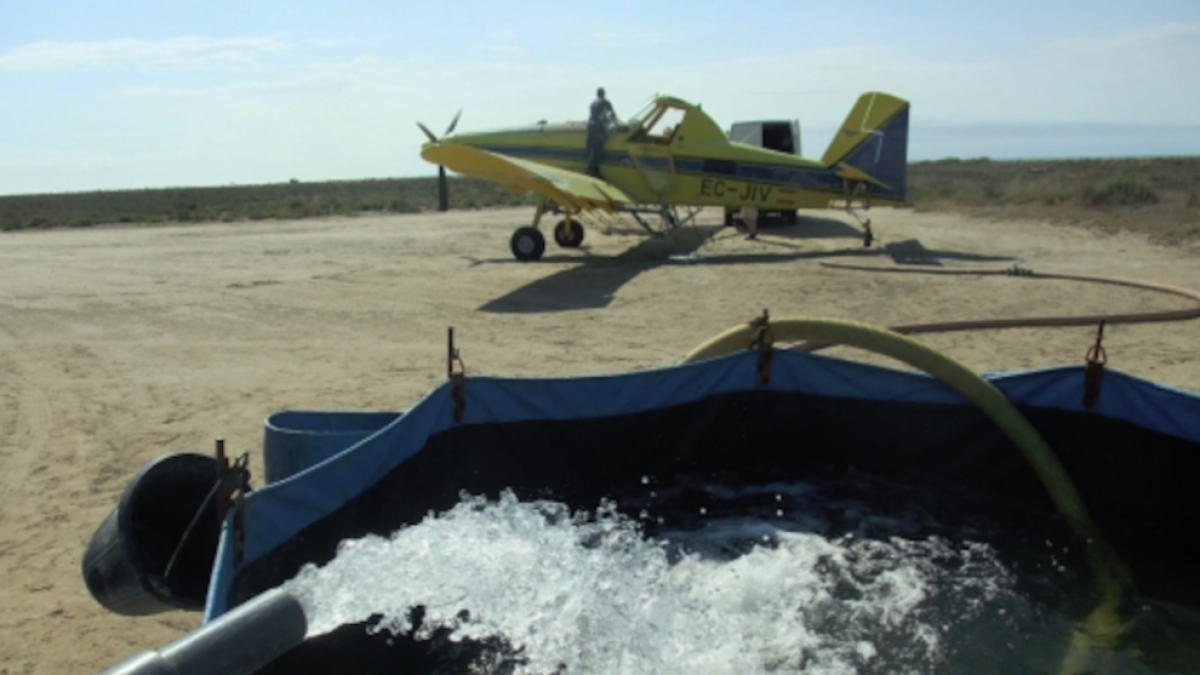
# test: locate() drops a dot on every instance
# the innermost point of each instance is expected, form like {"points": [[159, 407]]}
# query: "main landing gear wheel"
{"points": [[528, 243], [568, 237]]}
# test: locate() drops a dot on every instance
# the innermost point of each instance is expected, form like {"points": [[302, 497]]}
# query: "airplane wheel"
{"points": [[528, 243], [566, 239]]}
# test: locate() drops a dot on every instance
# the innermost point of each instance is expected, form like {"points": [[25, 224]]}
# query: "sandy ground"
{"points": [[118, 345]]}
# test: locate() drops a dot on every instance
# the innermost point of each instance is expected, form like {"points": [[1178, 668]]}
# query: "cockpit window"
{"points": [[656, 123], [642, 115], [664, 125]]}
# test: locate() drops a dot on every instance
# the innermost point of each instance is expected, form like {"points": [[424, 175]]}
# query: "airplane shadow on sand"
{"points": [[594, 280]]}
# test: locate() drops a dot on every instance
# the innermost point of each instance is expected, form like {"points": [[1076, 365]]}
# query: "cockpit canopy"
{"points": [[666, 116], [661, 120]]}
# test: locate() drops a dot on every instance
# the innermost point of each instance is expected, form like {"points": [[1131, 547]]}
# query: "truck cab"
{"points": [[779, 135]]}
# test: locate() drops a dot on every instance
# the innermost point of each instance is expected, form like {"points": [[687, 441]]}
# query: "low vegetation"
{"points": [[283, 201], [1125, 191], [1155, 196]]}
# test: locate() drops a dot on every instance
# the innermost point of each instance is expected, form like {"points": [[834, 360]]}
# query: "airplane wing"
{"points": [[570, 189]]}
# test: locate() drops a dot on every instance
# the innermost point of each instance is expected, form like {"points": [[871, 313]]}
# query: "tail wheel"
{"points": [[528, 243], [568, 237]]}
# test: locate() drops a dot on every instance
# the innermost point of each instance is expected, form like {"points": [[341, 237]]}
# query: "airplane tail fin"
{"points": [[874, 141]]}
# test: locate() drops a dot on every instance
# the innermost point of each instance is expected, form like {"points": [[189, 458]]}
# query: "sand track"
{"points": [[121, 344]]}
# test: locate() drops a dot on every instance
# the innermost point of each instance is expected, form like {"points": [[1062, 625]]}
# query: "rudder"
{"points": [[874, 140]]}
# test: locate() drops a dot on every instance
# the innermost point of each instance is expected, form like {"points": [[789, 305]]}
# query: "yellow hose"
{"points": [[1103, 624]]}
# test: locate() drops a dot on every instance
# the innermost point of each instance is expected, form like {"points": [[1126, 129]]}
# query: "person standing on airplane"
{"points": [[597, 130]]}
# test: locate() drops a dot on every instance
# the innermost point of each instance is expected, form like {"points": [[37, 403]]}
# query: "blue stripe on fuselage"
{"points": [[816, 178]]}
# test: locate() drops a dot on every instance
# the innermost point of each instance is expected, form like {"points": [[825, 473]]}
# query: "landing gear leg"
{"points": [[539, 212], [859, 188], [868, 235]]}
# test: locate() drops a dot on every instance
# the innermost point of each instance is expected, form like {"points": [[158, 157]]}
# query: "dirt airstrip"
{"points": [[118, 345]]}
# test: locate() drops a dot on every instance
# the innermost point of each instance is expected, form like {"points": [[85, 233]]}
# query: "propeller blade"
{"points": [[443, 190], [453, 124], [432, 138]]}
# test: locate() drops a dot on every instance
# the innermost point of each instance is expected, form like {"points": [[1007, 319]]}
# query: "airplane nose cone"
{"points": [[430, 152]]}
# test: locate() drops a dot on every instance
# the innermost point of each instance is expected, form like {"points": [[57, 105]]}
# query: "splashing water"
{"points": [[591, 593]]}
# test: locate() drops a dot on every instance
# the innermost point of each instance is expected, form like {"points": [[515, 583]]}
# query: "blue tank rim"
{"points": [[329, 422]]}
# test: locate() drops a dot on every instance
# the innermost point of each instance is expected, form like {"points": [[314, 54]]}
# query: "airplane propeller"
{"points": [[443, 198], [428, 133]]}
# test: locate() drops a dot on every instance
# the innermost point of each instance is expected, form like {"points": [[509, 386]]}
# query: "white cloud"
{"points": [[501, 42], [1128, 44], [328, 43], [179, 52], [321, 116], [630, 39], [1138, 76]]}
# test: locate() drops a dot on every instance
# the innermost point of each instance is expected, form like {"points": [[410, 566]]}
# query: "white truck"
{"points": [[781, 135]]}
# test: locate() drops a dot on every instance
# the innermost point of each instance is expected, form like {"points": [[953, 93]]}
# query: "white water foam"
{"points": [[584, 594]]}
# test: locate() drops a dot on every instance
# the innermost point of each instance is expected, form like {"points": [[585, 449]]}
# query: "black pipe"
{"points": [[239, 643], [167, 514]]}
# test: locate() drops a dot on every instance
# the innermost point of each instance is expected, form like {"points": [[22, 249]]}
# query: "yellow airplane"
{"points": [[672, 154]]}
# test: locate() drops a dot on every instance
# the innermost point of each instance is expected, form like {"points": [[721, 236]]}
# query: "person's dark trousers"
{"points": [[595, 148]]}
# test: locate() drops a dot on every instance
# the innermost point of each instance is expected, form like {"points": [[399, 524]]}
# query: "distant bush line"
{"points": [[282, 201], [982, 182], [1156, 195]]}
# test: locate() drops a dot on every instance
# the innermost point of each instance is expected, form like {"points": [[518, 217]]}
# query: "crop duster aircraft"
{"points": [[649, 166]]}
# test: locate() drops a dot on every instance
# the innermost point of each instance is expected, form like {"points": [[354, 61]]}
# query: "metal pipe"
{"points": [[1024, 322], [238, 643]]}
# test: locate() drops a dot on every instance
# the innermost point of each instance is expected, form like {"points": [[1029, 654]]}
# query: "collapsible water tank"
{"points": [[295, 440]]}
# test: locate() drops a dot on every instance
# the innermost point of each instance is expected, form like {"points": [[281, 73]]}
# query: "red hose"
{"points": [[1028, 322]]}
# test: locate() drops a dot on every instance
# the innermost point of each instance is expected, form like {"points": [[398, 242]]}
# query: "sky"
{"points": [[103, 95]]}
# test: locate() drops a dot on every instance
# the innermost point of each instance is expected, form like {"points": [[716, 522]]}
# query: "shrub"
{"points": [[1123, 190]]}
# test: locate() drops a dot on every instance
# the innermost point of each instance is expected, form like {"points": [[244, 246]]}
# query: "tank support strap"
{"points": [[1094, 370], [457, 379], [229, 489], [763, 340]]}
